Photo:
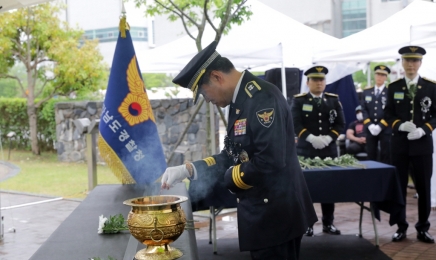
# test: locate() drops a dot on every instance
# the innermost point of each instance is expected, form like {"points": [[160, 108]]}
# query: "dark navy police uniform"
{"points": [[259, 165], [373, 113], [327, 119]]}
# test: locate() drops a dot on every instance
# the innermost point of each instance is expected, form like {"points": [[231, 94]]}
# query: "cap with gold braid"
{"points": [[191, 74], [412, 52], [382, 69], [316, 72]]}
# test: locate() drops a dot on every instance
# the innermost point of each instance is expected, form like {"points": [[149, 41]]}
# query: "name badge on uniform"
{"points": [[307, 107], [399, 95], [240, 127], [368, 98]]}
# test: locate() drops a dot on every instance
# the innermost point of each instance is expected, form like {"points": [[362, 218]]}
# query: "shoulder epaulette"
{"points": [[300, 95], [252, 88], [396, 80], [370, 87], [331, 94], [432, 81]]}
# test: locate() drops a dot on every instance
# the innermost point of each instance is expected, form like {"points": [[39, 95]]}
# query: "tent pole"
{"points": [[368, 71], [283, 75]]}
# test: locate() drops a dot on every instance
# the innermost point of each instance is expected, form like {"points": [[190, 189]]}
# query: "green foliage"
{"points": [[14, 119], [345, 160], [362, 79], [156, 80], [8, 88], [115, 224]]}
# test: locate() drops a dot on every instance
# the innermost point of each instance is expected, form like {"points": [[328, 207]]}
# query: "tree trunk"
{"points": [[31, 112]]}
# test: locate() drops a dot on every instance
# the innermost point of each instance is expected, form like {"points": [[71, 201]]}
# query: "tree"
{"points": [[195, 13], [57, 60]]}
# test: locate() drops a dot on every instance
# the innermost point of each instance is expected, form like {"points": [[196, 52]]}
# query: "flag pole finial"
{"points": [[123, 22]]}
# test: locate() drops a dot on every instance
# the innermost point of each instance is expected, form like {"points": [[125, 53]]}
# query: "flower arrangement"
{"points": [[111, 225], [345, 160]]}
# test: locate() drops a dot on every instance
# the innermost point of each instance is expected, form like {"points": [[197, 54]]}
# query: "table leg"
{"points": [[360, 219], [374, 223]]}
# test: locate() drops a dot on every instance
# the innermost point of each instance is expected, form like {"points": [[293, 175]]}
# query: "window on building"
{"points": [[353, 16], [111, 34]]}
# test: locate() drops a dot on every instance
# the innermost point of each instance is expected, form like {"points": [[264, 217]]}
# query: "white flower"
{"points": [[101, 222], [327, 158], [317, 158]]}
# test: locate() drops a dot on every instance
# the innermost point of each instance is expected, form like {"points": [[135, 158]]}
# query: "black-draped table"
{"points": [[77, 237], [377, 183]]}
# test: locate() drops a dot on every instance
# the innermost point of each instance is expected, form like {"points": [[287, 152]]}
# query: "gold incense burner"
{"points": [[156, 221]]}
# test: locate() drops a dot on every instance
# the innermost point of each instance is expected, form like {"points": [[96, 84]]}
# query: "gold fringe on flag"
{"points": [[114, 162]]}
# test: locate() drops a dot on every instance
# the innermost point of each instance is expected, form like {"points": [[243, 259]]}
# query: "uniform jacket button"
{"points": [[237, 200], [265, 200]]}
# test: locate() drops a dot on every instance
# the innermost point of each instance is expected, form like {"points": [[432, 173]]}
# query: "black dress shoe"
{"points": [[399, 235], [309, 232], [425, 237], [331, 229]]}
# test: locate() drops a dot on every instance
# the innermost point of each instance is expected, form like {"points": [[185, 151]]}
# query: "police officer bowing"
{"points": [[411, 112], [377, 129], [259, 163], [318, 121]]}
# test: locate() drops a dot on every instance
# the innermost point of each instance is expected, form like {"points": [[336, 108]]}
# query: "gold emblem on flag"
{"points": [[136, 107]]}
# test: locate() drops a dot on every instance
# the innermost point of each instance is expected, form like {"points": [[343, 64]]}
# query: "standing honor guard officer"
{"points": [[377, 129], [259, 162], [318, 121], [411, 112]]}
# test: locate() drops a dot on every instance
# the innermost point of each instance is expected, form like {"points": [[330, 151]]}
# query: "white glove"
{"points": [[418, 133], [174, 175], [376, 130], [316, 141], [407, 127], [371, 128], [326, 139]]}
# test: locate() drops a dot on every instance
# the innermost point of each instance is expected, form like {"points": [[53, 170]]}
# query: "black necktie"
{"points": [[317, 101], [377, 92]]}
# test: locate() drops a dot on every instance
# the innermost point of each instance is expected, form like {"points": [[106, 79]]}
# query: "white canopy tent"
{"points": [[15, 4], [415, 24], [269, 39]]}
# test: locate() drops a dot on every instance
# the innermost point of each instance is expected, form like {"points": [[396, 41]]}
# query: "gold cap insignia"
{"points": [[413, 49], [319, 69], [382, 67]]}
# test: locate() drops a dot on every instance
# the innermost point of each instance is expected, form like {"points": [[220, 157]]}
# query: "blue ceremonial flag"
{"points": [[129, 142]]}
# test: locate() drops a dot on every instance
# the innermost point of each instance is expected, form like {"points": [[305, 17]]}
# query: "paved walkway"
{"points": [[27, 225]]}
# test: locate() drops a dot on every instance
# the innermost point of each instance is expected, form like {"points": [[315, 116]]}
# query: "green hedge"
{"points": [[13, 117]]}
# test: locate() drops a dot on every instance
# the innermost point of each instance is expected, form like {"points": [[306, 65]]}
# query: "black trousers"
{"points": [[422, 172], [355, 148], [287, 251], [372, 147]]}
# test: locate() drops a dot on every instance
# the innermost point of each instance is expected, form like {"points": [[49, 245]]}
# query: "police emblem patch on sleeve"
{"points": [[266, 116]]}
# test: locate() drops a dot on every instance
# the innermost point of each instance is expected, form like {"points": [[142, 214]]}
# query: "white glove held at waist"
{"points": [[407, 127], [418, 133], [376, 130], [326, 139], [316, 141]]}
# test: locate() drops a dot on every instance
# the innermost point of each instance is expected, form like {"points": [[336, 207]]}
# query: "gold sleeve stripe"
{"points": [[210, 161], [429, 126], [366, 121], [396, 121], [302, 131], [237, 178], [336, 133], [384, 122]]}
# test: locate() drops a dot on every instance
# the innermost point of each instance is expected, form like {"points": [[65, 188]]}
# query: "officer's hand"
{"points": [[376, 130], [174, 175], [326, 139], [407, 127], [318, 143], [371, 128], [418, 133]]}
